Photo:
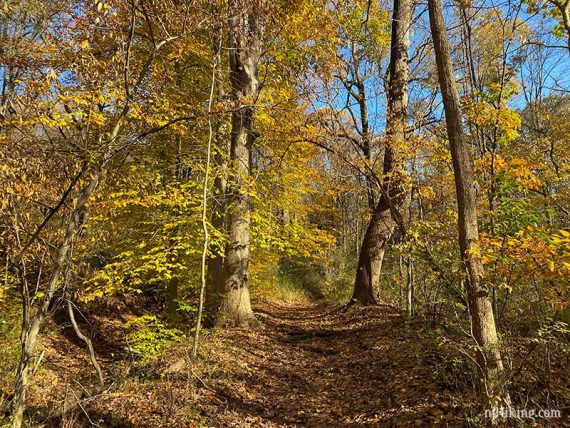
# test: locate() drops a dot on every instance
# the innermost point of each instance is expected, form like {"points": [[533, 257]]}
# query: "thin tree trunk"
{"points": [[382, 222], [410, 287], [482, 319], [215, 278], [204, 219], [365, 138], [401, 296], [357, 236], [87, 341], [31, 328], [245, 31]]}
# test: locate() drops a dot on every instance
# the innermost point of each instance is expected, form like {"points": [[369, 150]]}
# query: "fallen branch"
{"points": [[87, 341]]}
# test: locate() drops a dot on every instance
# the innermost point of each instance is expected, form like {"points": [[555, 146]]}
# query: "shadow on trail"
{"points": [[316, 366]]}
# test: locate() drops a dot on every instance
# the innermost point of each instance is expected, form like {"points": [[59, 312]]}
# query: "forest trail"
{"points": [[319, 366]]}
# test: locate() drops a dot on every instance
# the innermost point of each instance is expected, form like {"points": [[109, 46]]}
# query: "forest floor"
{"points": [[306, 365], [320, 367]]}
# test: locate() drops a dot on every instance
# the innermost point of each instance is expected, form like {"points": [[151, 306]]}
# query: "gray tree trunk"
{"points": [[245, 33], [481, 311]]}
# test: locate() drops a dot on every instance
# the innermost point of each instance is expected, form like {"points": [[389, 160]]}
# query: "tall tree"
{"points": [[480, 307], [245, 31], [386, 215], [215, 278]]}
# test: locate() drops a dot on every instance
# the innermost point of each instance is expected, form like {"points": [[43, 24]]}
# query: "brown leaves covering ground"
{"points": [[317, 366], [306, 365]]}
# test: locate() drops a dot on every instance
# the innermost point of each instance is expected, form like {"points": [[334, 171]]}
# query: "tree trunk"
{"points": [[367, 283], [482, 319], [215, 268], [205, 228], [31, 327], [365, 141], [245, 31], [410, 287], [215, 278], [383, 220]]}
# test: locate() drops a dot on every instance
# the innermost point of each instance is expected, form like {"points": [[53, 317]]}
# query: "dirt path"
{"points": [[320, 367]]}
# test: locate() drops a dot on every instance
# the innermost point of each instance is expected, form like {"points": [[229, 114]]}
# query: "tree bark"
{"points": [[245, 32], [481, 311], [204, 219], [365, 141], [31, 327], [172, 302], [215, 277], [383, 220], [410, 287]]}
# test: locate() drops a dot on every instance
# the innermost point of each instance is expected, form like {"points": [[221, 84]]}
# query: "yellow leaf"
{"points": [[52, 74], [551, 265], [84, 44], [565, 233]]}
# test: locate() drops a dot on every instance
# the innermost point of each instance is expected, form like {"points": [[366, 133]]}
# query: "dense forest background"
{"points": [[192, 189]]}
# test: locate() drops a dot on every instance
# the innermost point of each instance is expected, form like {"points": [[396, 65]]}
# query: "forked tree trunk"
{"points": [[480, 308], [382, 222], [245, 32]]}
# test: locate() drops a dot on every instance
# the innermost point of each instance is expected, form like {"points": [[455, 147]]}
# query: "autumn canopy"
{"points": [[223, 212]]}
